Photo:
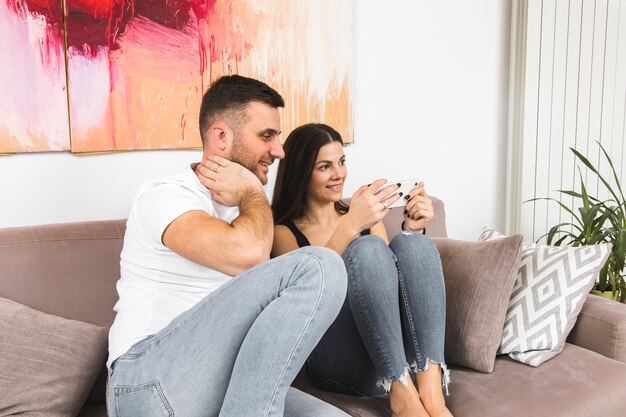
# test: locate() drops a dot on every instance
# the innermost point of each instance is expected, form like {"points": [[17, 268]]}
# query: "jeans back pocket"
{"points": [[141, 400]]}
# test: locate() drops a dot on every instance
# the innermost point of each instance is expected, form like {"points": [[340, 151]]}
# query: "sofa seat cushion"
{"points": [[577, 383]]}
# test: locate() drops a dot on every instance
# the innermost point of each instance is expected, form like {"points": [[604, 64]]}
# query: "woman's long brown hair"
{"points": [[294, 171]]}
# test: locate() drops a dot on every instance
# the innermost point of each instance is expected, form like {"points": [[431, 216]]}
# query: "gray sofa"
{"points": [[69, 270]]}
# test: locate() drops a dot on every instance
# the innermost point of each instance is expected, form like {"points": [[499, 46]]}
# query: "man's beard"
{"points": [[243, 157]]}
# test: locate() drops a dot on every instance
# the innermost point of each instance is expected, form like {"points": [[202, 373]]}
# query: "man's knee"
{"points": [[328, 265]]}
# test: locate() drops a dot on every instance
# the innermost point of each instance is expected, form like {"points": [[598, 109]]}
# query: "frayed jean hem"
{"points": [[445, 372], [385, 383]]}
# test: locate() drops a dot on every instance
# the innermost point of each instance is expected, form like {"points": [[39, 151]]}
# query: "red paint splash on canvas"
{"points": [[94, 26], [137, 68], [100, 23]]}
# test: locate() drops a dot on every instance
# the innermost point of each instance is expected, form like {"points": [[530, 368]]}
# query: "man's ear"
{"points": [[219, 135]]}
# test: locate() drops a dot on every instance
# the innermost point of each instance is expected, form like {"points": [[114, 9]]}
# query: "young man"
{"points": [[189, 339]]}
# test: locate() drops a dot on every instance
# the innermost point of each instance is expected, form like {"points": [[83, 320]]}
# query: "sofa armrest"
{"points": [[601, 327]]}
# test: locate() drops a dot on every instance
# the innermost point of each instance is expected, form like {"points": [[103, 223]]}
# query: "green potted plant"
{"points": [[596, 221]]}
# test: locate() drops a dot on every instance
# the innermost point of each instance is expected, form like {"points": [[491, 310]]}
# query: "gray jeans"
{"points": [[236, 352], [393, 319]]}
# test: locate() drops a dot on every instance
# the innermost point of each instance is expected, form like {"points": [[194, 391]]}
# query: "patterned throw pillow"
{"points": [[550, 289]]}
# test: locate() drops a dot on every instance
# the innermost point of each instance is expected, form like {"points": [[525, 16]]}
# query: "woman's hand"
{"points": [[368, 207], [419, 210]]}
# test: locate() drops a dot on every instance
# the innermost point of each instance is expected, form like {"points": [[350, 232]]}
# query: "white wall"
{"points": [[430, 103]]}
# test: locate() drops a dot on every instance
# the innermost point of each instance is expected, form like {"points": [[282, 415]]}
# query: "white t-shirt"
{"points": [[156, 284]]}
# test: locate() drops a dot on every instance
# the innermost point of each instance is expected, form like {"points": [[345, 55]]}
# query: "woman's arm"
{"points": [[366, 212], [367, 209], [379, 230], [284, 241], [343, 235]]}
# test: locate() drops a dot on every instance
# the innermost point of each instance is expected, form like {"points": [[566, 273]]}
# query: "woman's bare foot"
{"points": [[431, 392], [435, 407], [405, 401]]}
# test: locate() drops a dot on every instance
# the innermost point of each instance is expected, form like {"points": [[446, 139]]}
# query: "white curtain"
{"points": [[567, 89]]}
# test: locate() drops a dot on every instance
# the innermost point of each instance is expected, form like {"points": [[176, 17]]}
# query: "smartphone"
{"points": [[405, 188]]}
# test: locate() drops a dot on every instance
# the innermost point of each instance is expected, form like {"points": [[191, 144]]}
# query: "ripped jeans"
{"points": [[393, 319]]}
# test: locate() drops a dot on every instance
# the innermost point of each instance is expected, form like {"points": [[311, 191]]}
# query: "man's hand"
{"points": [[419, 210], [226, 247], [229, 182]]}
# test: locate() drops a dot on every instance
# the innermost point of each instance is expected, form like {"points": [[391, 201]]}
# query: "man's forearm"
{"points": [[255, 222]]}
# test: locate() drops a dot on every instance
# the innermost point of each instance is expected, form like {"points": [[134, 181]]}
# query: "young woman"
{"points": [[392, 324]]}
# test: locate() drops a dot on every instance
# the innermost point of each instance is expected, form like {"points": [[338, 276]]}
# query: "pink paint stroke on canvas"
{"points": [[137, 69], [33, 87]]}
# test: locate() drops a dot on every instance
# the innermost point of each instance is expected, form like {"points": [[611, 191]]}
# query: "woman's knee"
{"points": [[416, 244], [367, 247], [371, 266], [369, 254], [419, 259]]}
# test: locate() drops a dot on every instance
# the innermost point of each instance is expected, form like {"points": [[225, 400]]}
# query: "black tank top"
{"points": [[303, 241]]}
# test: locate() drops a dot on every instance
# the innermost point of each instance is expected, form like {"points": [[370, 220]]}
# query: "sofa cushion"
{"points": [[576, 383], [550, 289], [479, 278], [48, 364], [601, 327], [65, 269]]}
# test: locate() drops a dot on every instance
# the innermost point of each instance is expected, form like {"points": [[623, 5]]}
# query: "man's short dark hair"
{"points": [[228, 97]]}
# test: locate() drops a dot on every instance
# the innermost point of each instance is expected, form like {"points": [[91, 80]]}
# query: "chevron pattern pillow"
{"points": [[550, 289]]}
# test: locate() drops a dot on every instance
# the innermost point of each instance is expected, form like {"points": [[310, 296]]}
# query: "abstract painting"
{"points": [[137, 69], [33, 90]]}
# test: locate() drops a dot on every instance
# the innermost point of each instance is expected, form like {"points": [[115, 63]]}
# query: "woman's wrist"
{"points": [[405, 229], [349, 228]]}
